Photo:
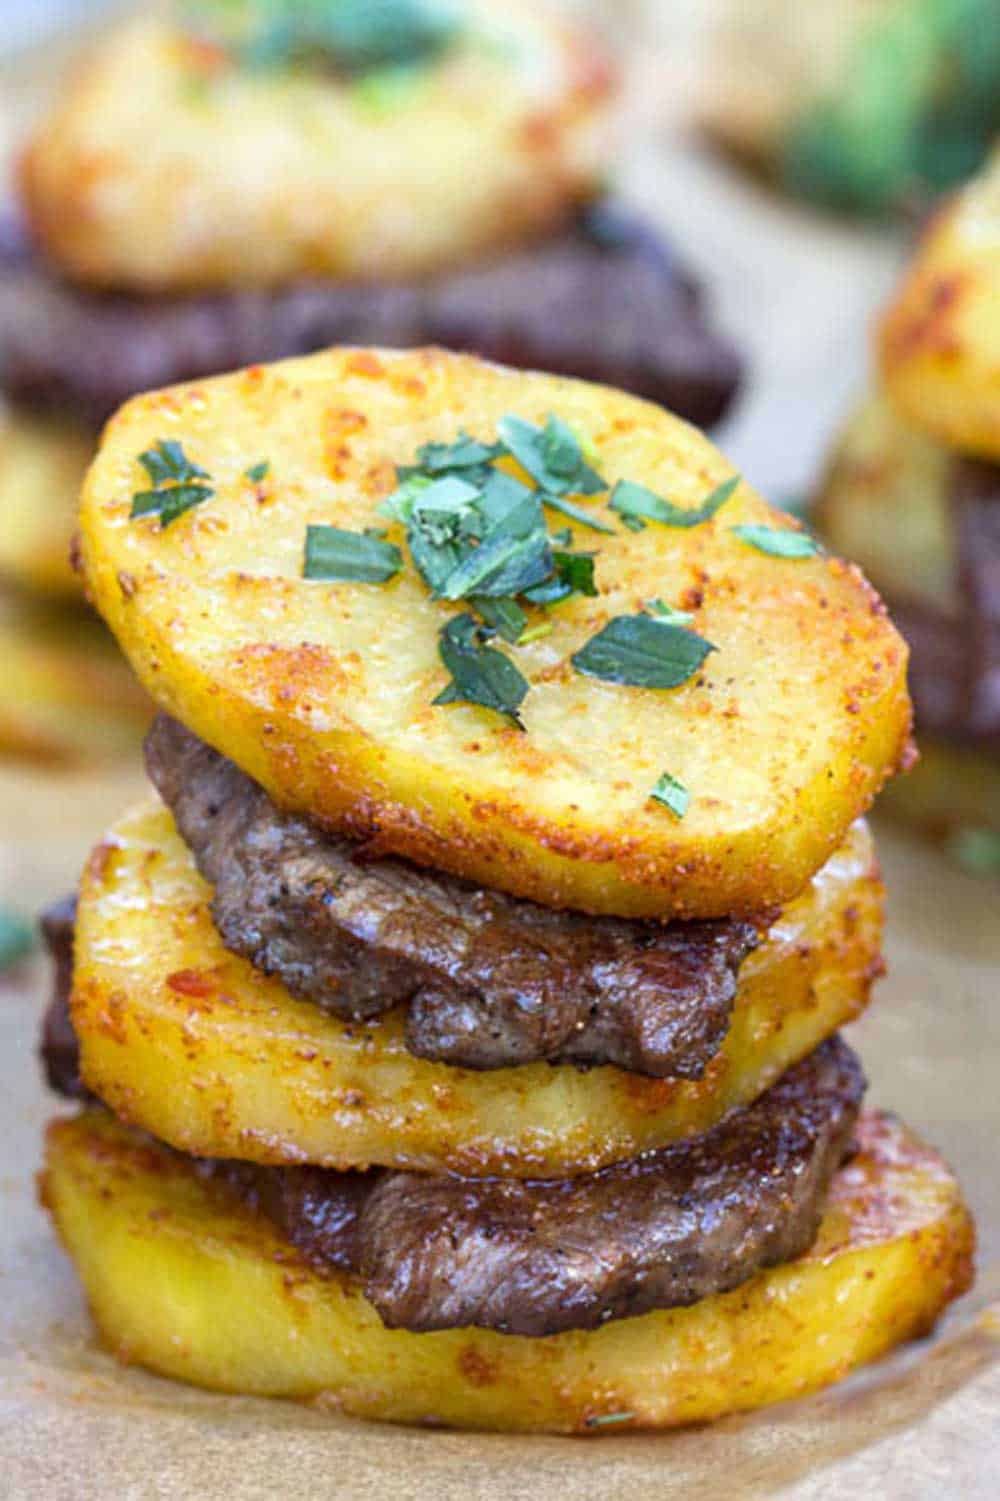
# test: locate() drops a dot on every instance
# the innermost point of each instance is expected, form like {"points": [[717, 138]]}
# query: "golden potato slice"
{"points": [[884, 502], [42, 464], [939, 343], [324, 692], [181, 1279], [66, 696], [256, 176], [189, 1041]]}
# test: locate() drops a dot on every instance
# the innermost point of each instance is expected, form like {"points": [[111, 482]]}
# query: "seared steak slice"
{"points": [[59, 1050], [490, 981], [606, 300], [539, 1258]]}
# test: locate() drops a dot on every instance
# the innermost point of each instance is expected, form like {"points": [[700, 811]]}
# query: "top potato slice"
{"points": [[168, 164], [324, 692], [939, 343]]}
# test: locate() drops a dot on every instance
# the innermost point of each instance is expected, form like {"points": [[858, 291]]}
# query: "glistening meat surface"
{"points": [[490, 981]]}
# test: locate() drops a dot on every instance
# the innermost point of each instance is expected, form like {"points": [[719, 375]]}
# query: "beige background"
{"points": [[798, 291]]}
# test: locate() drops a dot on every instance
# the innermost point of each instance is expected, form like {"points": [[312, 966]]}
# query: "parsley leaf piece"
{"points": [[170, 503], [667, 613], [504, 616], [17, 938], [258, 472], [464, 453], [574, 574], [634, 503], [480, 674], [640, 652], [349, 557], [166, 462], [398, 505], [605, 1419], [552, 455], [576, 513], [513, 555], [672, 794], [535, 633], [777, 541]]}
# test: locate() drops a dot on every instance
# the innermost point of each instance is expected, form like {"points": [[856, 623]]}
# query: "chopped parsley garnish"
{"points": [[16, 938], [349, 557], [636, 505], [353, 37], [640, 651], [504, 616], [672, 794], [574, 574], [607, 1419], [480, 674], [552, 455], [667, 613], [258, 472], [779, 542], [178, 483]]}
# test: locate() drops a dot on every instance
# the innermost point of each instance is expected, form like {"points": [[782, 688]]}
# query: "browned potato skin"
{"points": [[323, 694], [182, 1280], [939, 342], [255, 178], [190, 1042]]}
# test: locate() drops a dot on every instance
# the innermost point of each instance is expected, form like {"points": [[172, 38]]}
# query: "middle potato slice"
{"points": [[188, 1041]]}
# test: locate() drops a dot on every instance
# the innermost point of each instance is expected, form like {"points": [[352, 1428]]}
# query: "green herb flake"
{"points": [[349, 557], [777, 542], [574, 574], [535, 633], [504, 616], [608, 1419], [356, 38], [552, 455], [636, 505], [672, 794], [17, 938], [178, 482], [666, 613], [257, 473], [639, 651], [480, 674], [576, 513]]}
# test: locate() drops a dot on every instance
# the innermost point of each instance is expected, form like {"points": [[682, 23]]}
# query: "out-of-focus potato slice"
{"points": [[884, 502], [324, 693], [66, 695], [184, 1281], [953, 788], [257, 175], [189, 1041], [939, 343], [42, 464]]}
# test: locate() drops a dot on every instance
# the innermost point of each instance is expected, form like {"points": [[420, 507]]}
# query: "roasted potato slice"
{"points": [[182, 1280], [43, 461], [939, 343], [256, 175], [66, 696], [189, 1041], [884, 502], [324, 693]]}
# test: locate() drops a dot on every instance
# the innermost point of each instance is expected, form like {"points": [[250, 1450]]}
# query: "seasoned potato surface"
{"points": [[42, 464], [189, 1041], [939, 343], [168, 165], [66, 696], [184, 1281], [324, 692]]}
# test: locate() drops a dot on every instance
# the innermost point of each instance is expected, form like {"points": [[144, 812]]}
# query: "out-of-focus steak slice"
{"points": [[490, 981], [606, 301]]}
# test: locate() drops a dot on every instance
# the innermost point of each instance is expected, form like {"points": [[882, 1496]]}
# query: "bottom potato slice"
{"points": [[191, 1043], [186, 1282], [66, 696]]}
